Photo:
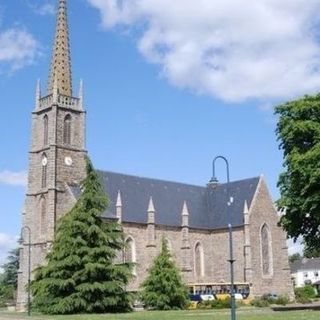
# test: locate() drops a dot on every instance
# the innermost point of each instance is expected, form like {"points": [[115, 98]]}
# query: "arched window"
{"points": [[266, 250], [129, 254], [43, 215], [45, 130], [67, 129], [198, 260], [44, 163]]}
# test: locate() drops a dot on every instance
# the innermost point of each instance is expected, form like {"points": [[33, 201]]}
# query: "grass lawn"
{"points": [[242, 314]]}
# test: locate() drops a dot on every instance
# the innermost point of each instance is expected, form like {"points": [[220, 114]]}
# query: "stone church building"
{"points": [[193, 219]]}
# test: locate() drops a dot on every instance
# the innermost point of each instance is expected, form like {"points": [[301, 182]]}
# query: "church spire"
{"points": [[60, 70]]}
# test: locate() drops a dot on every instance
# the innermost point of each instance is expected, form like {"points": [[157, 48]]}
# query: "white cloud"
{"points": [[233, 50], [13, 178], [43, 9], [7, 242], [18, 48]]}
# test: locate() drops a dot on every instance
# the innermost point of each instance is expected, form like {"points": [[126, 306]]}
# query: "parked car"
{"points": [[207, 297], [195, 297], [270, 296], [238, 296]]}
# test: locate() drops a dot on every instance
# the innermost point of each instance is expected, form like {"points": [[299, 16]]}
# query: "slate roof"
{"points": [[305, 264], [207, 206]]}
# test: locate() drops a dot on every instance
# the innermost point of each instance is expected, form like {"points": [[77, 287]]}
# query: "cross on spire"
{"points": [[60, 70]]}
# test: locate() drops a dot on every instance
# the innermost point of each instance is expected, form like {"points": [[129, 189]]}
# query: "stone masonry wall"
{"points": [[262, 212], [215, 249], [41, 218]]}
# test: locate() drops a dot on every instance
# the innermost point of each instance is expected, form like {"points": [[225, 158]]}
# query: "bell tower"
{"points": [[56, 158]]}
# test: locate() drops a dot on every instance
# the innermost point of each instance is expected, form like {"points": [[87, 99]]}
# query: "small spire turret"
{"points": [[185, 215], [61, 63], [119, 207], [38, 94], [151, 231], [151, 211], [81, 93]]}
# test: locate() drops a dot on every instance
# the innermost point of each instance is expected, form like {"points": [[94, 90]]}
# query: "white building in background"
{"points": [[305, 271]]}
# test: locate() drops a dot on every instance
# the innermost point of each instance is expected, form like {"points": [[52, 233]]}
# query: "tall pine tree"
{"points": [[10, 269], [164, 289], [81, 275], [9, 277]]}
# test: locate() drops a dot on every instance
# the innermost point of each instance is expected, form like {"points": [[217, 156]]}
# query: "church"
{"points": [[193, 219]]}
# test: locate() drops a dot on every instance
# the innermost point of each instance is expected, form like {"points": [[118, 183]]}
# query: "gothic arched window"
{"points": [[44, 163], [43, 216], [67, 129], [129, 254], [45, 130], [266, 250], [198, 260]]}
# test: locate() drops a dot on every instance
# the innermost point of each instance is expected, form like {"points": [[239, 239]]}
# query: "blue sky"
{"points": [[168, 85]]}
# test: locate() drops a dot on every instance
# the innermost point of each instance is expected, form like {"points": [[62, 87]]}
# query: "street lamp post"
{"points": [[231, 260], [29, 264]]}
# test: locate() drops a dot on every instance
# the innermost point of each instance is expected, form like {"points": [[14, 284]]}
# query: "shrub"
{"points": [[282, 300], [204, 305], [303, 300], [221, 304], [7, 293], [304, 294], [260, 302]]}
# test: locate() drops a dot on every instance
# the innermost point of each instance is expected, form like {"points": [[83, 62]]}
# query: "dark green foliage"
{"points": [[281, 300], [294, 257], [204, 305], [9, 277], [311, 252], [221, 303], [163, 289], [304, 294], [81, 275], [7, 294], [218, 304], [266, 300], [298, 132], [260, 302], [10, 269]]}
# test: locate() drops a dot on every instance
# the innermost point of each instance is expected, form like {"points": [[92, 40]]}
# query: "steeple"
{"points": [[60, 70]]}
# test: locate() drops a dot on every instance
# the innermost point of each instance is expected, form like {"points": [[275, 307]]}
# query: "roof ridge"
{"points": [[170, 181]]}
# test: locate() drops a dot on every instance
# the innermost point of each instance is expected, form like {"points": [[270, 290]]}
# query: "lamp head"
{"points": [[213, 182]]}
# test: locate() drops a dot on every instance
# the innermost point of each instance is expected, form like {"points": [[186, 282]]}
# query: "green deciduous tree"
{"points": [[298, 131], [311, 252], [164, 289], [81, 274]]}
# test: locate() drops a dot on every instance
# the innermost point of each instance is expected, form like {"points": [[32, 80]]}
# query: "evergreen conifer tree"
{"points": [[9, 277], [10, 269], [81, 275], [164, 289]]}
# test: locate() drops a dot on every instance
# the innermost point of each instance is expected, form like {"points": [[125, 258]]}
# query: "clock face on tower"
{"points": [[68, 161], [44, 161]]}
